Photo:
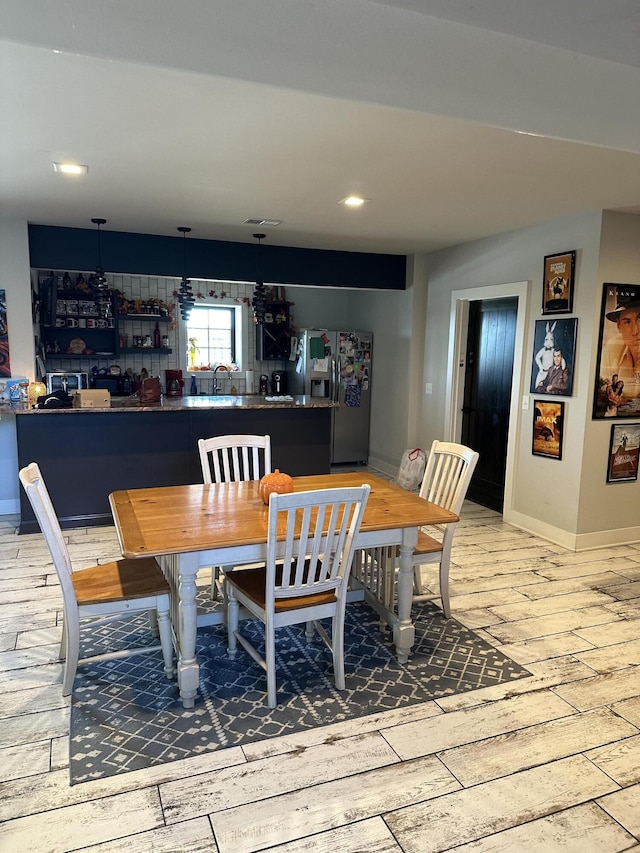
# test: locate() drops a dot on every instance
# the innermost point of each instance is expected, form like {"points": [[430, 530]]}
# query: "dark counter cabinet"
{"points": [[85, 455]]}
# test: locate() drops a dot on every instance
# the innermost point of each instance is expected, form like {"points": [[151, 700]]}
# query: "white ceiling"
{"points": [[457, 119]]}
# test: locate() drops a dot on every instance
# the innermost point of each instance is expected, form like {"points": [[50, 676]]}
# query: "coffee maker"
{"points": [[264, 384], [174, 383], [279, 382]]}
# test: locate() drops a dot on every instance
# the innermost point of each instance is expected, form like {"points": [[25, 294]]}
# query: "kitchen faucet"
{"points": [[216, 385]]}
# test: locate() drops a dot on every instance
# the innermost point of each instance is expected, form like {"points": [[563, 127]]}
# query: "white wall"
{"points": [[389, 315], [319, 307], [568, 501], [15, 281]]}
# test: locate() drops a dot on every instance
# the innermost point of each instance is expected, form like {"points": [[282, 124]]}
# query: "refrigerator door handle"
{"points": [[335, 379]]}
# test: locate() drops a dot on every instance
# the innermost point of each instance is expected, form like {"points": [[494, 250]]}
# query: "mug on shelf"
{"points": [[91, 323], [82, 323], [72, 322], [60, 322]]}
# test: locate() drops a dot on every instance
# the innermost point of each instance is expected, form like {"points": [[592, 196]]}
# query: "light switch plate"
{"points": [[525, 402], [428, 388]]}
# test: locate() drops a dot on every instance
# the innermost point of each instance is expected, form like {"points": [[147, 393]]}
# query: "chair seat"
{"points": [[427, 544], [118, 581], [252, 582]]}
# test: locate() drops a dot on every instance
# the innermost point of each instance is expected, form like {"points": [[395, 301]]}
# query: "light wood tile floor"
{"points": [[547, 763]]}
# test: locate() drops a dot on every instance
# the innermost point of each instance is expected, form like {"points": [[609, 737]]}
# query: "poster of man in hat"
{"points": [[618, 379]]}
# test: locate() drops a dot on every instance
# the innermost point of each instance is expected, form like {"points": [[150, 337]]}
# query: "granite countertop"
{"points": [[176, 404]]}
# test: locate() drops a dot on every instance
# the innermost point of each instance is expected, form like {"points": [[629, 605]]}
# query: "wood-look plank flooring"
{"points": [[546, 763]]}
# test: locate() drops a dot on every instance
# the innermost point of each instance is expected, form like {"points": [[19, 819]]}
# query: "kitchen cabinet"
{"points": [[273, 337]]}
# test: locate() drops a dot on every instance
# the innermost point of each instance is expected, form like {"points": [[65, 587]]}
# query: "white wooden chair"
{"points": [[103, 593], [232, 458], [445, 482], [311, 537]]}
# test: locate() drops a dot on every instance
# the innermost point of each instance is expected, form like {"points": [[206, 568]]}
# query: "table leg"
{"points": [[403, 631], [188, 668]]}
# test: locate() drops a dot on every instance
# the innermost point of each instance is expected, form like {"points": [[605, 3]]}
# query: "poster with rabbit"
{"points": [[554, 350]]}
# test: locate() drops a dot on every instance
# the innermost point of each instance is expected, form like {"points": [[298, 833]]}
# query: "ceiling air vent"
{"points": [[263, 222]]}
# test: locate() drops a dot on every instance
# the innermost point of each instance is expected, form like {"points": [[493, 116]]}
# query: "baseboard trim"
{"points": [[573, 541], [10, 507], [383, 467]]}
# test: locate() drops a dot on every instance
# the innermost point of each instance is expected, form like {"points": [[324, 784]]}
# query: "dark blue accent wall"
{"points": [[148, 254]]}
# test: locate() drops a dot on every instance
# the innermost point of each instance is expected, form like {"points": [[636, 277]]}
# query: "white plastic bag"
{"points": [[411, 470]]}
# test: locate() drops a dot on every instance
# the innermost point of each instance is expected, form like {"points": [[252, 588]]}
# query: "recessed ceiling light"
{"points": [[71, 168], [353, 201]]}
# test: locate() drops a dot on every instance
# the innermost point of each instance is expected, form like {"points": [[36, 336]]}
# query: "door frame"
{"points": [[456, 361]]}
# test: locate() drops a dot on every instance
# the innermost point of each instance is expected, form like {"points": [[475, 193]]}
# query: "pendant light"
{"points": [[259, 300], [186, 299], [98, 280]]}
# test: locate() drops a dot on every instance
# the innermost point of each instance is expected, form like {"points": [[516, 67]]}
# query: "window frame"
{"points": [[241, 323]]}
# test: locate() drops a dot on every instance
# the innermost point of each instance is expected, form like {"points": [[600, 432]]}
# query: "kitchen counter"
{"points": [[85, 454], [177, 404]]}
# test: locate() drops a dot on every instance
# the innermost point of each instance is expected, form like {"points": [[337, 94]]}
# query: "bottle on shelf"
{"points": [[157, 340]]}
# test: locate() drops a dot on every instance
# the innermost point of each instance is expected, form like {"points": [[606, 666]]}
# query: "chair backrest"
{"points": [[319, 529], [36, 491], [448, 474], [232, 458]]}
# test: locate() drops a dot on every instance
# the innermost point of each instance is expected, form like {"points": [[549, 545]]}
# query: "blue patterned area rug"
{"points": [[126, 715]]}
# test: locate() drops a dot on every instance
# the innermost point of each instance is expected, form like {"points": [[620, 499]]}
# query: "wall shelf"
{"points": [[89, 306], [143, 350], [159, 318]]}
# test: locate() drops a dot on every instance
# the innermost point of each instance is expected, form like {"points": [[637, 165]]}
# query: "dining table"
{"points": [[189, 527]]}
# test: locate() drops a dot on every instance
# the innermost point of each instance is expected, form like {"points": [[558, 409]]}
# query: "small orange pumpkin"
{"points": [[276, 482]]}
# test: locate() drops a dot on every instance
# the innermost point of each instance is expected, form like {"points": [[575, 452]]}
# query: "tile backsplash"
{"points": [[146, 287]]}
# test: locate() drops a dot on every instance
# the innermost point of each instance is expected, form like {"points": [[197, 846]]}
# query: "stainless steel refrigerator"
{"points": [[337, 366]]}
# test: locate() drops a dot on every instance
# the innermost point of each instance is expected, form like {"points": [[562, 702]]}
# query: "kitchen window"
{"points": [[211, 335]]}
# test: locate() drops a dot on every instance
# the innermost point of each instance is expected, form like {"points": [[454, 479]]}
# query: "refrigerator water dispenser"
{"points": [[320, 388]]}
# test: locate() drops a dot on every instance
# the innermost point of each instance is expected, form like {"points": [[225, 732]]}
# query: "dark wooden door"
{"points": [[487, 394]]}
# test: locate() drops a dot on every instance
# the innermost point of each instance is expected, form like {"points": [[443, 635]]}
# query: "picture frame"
{"points": [[624, 451], [548, 428], [617, 381], [558, 283], [5, 361], [547, 377]]}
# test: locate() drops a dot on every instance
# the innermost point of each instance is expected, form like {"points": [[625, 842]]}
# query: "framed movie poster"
{"points": [[557, 291], [623, 453], [548, 428], [5, 364], [554, 349], [617, 385]]}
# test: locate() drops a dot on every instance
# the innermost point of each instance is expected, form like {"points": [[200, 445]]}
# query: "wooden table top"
{"points": [[181, 519]]}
